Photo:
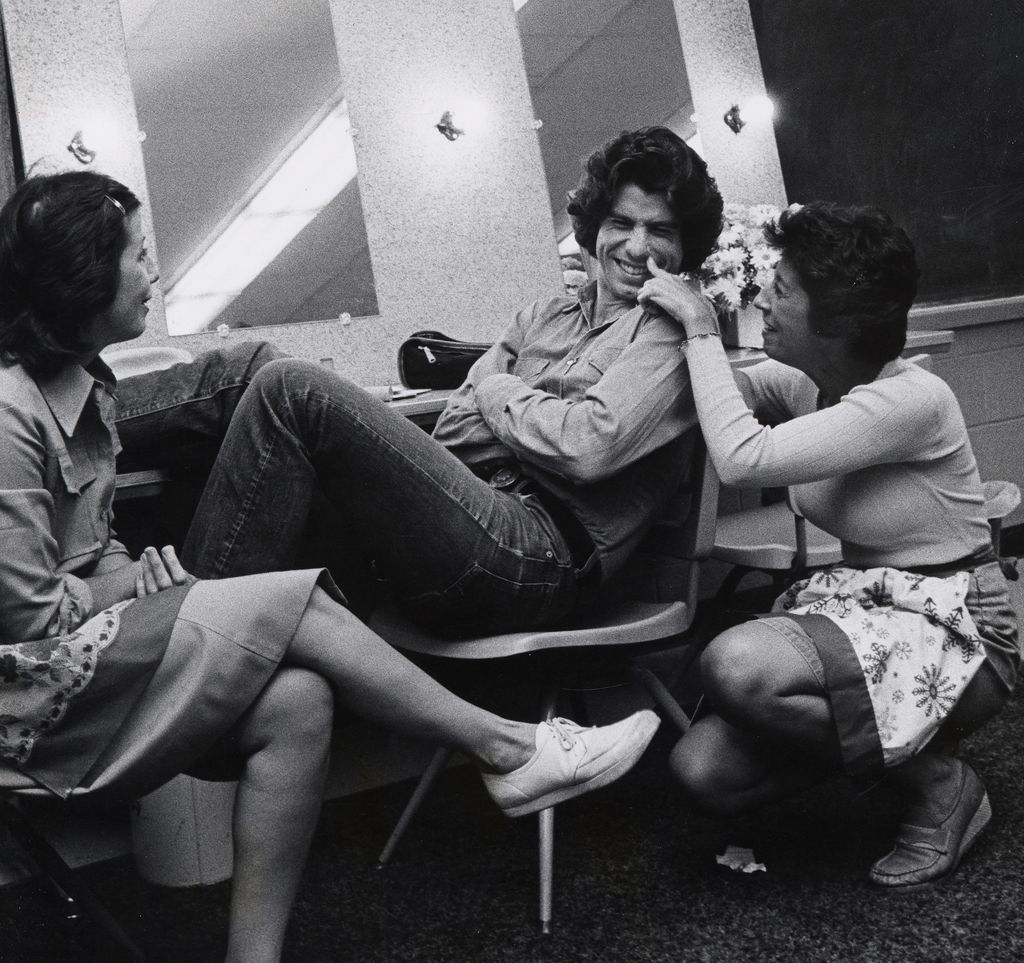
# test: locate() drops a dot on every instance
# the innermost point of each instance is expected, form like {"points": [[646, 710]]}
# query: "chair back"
{"points": [[666, 567]]}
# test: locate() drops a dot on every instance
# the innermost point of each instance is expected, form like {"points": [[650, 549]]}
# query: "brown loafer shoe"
{"points": [[925, 855]]}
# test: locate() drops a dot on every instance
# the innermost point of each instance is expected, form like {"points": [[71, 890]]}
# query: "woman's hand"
{"points": [[159, 570], [680, 299]]}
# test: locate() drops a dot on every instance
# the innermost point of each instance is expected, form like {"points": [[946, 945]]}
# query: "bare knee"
{"points": [[297, 705], [735, 671], [697, 765]]}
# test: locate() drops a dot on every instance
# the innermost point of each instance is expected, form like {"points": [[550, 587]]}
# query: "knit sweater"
{"points": [[888, 469]]}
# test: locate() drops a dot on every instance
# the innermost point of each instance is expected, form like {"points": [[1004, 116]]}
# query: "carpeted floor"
{"points": [[636, 881]]}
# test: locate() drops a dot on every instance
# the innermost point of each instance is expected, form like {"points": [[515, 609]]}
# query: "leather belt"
{"points": [[968, 563], [508, 477]]}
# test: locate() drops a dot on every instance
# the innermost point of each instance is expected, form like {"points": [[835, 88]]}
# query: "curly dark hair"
{"points": [[61, 240], [657, 161], [859, 271]]}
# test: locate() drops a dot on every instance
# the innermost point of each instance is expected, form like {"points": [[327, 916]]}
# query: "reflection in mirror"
{"points": [[249, 162], [596, 68]]}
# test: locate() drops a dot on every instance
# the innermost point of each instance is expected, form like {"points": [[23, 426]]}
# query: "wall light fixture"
{"points": [[733, 120], [446, 125], [81, 153], [755, 110]]}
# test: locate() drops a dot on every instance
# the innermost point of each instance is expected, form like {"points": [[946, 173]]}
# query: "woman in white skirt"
{"points": [[885, 661], [116, 674]]}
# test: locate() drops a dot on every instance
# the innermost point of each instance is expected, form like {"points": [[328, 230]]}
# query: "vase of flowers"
{"points": [[737, 269]]}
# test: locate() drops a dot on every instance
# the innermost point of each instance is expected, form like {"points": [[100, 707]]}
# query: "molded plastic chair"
{"points": [[774, 539], [629, 625], [1001, 498]]}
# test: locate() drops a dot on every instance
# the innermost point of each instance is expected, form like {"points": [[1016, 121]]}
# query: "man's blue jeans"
{"points": [[179, 416], [457, 553]]}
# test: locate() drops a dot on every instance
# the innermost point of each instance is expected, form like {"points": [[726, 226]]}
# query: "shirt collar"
{"points": [[587, 295], [67, 392], [587, 299]]}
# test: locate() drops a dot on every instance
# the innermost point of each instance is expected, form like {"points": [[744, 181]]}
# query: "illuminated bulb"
{"points": [[758, 109], [98, 136], [101, 134]]}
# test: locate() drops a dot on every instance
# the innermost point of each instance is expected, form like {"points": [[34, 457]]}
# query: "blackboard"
{"points": [[916, 106]]}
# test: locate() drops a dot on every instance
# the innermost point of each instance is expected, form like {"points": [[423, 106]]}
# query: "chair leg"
{"points": [[546, 853], [730, 583], [67, 882], [427, 780], [659, 692], [546, 831]]}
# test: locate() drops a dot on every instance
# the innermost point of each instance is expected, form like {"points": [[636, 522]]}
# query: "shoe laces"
{"points": [[565, 730]]}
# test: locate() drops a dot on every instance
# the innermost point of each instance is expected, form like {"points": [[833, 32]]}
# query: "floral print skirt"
{"points": [[897, 650]]}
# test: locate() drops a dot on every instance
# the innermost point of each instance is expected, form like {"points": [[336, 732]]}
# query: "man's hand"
{"points": [[159, 570], [679, 298]]}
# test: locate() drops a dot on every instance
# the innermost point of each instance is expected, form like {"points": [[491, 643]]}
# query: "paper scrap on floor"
{"points": [[740, 860]]}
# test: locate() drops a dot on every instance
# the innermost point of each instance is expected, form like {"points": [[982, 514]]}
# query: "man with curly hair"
{"points": [[549, 463]]}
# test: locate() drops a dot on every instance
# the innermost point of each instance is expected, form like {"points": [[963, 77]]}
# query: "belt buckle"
{"points": [[503, 478]]}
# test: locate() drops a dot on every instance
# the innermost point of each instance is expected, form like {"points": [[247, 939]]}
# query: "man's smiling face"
{"points": [[639, 225]]}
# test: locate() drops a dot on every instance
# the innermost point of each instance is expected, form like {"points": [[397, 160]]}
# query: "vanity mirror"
{"points": [[249, 162], [595, 68]]}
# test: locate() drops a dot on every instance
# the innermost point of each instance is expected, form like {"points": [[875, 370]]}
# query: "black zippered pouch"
{"points": [[430, 359]]}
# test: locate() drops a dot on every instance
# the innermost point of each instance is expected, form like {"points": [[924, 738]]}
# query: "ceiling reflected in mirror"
{"points": [[596, 68], [249, 162]]}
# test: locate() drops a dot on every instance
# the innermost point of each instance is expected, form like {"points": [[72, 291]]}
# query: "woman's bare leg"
{"points": [[726, 772], [758, 682], [286, 738], [378, 683], [771, 732]]}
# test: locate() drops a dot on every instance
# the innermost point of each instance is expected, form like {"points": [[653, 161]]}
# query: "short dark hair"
{"points": [[61, 240], [859, 271], [657, 161]]}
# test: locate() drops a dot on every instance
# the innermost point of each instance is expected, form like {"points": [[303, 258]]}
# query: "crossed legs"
{"points": [[285, 739], [454, 550]]}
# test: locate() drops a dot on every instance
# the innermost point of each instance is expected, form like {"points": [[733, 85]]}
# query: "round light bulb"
{"points": [[101, 134], [758, 109]]}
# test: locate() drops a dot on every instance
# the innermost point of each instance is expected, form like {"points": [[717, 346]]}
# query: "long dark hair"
{"points": [[61, 240]]}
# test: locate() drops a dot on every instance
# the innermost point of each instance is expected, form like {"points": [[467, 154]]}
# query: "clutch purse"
{"points": [[430, 359]]}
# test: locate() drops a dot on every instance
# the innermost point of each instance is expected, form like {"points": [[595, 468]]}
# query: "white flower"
{"points": [[574, 280], [724, 289], [764, 258], [731, 234], [742, 261], [761, 214]]}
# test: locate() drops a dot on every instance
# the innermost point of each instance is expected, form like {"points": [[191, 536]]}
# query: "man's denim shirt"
{"points": [[600, 416]]}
